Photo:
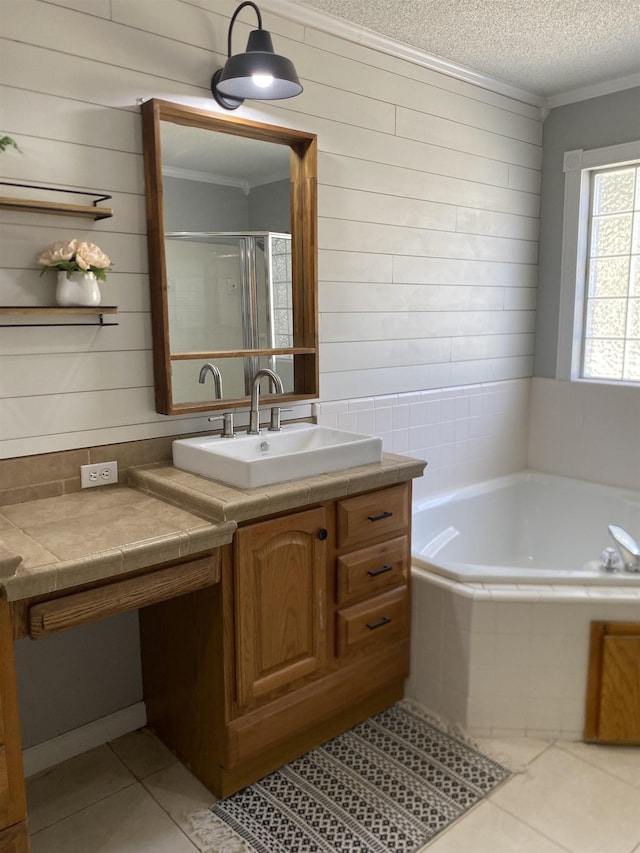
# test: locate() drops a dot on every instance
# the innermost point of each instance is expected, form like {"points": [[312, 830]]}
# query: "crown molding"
{"points": [[594, 91], [327, 23]]}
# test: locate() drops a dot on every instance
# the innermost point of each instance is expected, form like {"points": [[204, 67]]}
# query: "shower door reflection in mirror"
{"points": [[231, 292]]}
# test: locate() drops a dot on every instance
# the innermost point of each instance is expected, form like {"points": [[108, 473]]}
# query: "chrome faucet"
{"points": [[629, 549], [254, 414], [217, 377]]}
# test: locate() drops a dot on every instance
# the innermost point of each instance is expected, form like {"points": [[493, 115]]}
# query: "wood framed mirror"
{"points": [[232, 240]]}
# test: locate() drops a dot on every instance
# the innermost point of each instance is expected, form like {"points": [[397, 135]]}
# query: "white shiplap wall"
{"points": [[428, 205]]}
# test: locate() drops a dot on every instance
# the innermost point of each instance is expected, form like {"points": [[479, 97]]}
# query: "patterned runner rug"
{"points": [[389, 784]]}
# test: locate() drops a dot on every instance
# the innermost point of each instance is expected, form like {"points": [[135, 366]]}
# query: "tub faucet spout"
{"points": [[628, 548]]}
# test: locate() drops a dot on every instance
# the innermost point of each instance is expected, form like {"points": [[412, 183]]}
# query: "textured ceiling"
{"points": [[546, 47]]}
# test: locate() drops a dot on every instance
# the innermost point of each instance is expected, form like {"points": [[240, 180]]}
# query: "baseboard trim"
{"points": [[86, 737]]}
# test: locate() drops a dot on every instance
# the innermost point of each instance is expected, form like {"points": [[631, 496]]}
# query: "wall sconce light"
{"points": [[259, 73]]}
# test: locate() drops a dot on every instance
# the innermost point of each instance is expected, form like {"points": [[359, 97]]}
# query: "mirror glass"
{"points": [[231, 212]]}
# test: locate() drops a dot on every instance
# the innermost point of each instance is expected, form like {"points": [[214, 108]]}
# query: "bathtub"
{"points": [[525, 528], [506, 584]]}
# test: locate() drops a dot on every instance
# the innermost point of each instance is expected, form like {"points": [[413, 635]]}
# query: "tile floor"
{"points": [[131, 796]]}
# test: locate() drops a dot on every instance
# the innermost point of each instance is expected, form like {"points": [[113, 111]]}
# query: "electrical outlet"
{"points": [[100, 474]]}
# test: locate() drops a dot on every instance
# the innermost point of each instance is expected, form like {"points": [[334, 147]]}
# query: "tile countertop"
{"points": [[219, 502], [56, 543]]}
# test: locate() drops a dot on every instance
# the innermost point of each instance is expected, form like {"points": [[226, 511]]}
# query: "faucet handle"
{"points": [[227, 424], [274, 423]]}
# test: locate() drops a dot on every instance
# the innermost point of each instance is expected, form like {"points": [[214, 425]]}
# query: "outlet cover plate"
{"points": [[99, 474]]}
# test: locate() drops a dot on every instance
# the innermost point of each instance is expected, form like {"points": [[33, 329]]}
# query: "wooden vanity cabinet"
{"points": [[13, 827], [306, 635]]}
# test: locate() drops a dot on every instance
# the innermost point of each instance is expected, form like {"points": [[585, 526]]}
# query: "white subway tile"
{"points": [[383, 419], [510, 712], [348, 421], [515, 619], [480, 715], [360, 403], [401, 417], [366, 421], [400, 440]]}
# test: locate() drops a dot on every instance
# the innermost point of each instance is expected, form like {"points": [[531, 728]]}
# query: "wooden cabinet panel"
{"points": [[15, 839], [4, 789], [280, 602], [371, 570], [373, 515], [620, 694], [383, 618], [12, 796], [613, 690]]}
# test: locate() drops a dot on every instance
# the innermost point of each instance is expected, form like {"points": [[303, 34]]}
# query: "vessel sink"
{"points": [[298, 450]]}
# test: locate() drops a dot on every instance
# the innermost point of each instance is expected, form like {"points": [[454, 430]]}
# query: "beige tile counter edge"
{"points": [[219, 502], [216, 509], [33, 563]]}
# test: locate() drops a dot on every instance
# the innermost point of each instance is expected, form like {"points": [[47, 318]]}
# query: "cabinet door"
{"points": [[12, 797], [280, 601], [613, 686]]}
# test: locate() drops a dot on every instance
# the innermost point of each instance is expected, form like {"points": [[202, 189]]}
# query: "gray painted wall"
{"points": [[596, 123], [194, 206], [269, 206], [73, 678]]}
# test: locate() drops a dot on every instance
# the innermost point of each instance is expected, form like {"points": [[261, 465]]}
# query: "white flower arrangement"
{"points": [[75, 256]]}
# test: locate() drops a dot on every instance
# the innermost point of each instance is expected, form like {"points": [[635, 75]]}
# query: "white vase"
{"points": [[77, 288]]}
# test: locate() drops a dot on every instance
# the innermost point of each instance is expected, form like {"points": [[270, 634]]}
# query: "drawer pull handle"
{"points": [[384, 621], [380, 517], [381, 571]]}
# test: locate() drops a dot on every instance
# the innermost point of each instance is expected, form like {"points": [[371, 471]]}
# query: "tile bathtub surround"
{"points": [[502, 662], [466, 434], [586, 430]]}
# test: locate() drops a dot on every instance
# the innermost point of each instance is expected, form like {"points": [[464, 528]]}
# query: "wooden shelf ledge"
{"points": [[60, 208], [55, 309]]}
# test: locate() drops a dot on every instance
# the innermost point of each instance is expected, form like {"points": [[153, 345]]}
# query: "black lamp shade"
{"points": [[238, 77], [258, 73]]}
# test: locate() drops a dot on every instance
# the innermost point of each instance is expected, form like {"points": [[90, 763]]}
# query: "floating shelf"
{"points": [[91, 211], [98, 311], [61, 209]]}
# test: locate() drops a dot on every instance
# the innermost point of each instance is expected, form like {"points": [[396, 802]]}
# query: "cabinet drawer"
{"points": [[81, 608], [361, 574], [382, 618], [373, 515]]}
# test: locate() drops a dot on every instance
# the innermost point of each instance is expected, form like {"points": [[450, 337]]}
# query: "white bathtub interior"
{"points": [[524, 528]]}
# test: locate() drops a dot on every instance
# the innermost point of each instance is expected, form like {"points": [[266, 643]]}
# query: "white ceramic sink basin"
{"points": [[298, 450]]}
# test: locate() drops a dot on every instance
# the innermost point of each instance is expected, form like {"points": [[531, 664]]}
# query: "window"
{"points": [[599, 330], [611, 335]]}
